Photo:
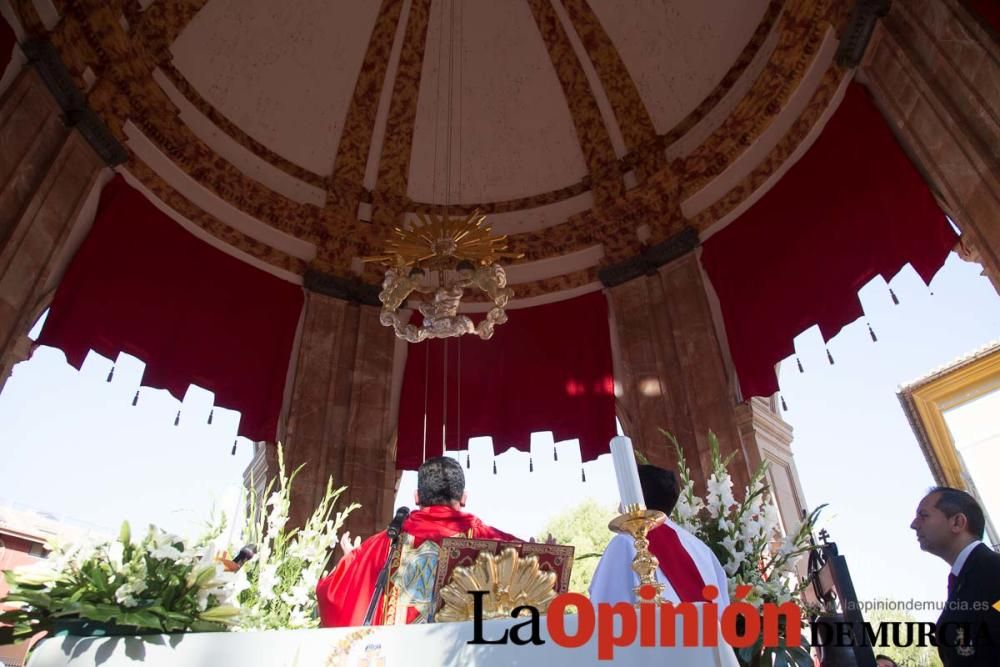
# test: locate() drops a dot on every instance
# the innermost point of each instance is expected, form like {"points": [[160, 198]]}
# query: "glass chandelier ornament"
{"points": [[441, 256]]}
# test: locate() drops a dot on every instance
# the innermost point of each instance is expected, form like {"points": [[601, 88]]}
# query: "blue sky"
{"points": [[73, 445]]}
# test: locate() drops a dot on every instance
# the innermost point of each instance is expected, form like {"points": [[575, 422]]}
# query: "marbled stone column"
{"points": [[769, 439], [339, 420], [47, 171], [934, 71], [670, 371]]}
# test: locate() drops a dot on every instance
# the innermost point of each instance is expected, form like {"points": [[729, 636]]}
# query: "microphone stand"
{"points": [[394, 532]]}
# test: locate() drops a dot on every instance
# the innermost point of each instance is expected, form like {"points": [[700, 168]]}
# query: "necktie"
{"points": [[951, 584]]}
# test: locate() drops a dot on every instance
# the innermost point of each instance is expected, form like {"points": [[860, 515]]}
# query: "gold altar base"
{"points": [[637, 521]]}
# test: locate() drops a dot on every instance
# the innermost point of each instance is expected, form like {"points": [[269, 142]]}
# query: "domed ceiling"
{"points": [[295, 135]]}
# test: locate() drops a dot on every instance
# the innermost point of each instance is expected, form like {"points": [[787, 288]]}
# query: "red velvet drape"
{"points": [[989, 10], [852, 208], [144, 285], [547, 369], [7, 41]]}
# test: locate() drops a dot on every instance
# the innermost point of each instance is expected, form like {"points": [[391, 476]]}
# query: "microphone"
{"points": [[397, 522], [245, 554]]}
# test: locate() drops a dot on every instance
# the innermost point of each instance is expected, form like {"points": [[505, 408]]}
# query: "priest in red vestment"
{"points": [[344, 595]]}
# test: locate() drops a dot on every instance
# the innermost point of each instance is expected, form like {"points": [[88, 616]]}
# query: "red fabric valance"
{"points": [[7, 41], [144, 285], [852, 208], [547, 369], [989, 10]]}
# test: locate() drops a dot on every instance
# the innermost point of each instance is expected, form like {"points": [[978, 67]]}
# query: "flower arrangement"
{"points": [[280, 592], [746, 539], [159, 583], [164, 583]]}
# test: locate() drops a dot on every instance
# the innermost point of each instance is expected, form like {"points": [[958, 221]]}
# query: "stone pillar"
{"points": [[769, 437], [47, 170], [339, 422], [934, 71], [670, 371]]}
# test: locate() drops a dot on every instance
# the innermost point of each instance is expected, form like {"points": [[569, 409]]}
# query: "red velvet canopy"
{"points": [[852, 208], [144, 285], [547, 369], [7, 41]]}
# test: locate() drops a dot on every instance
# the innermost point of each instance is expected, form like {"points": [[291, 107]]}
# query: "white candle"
{"points": [[626, 472]]}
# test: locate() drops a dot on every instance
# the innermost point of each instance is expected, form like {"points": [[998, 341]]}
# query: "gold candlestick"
{"points": [[637, 521]]}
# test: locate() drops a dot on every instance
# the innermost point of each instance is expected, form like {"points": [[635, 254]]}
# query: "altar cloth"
{"points": [[430, 645]]}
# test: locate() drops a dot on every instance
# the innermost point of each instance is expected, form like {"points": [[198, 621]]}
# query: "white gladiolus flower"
{"points": [[116, 551], [298, 618], [267, 581]]}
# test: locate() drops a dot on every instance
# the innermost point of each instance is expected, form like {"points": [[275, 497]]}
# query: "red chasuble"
{"points": [[682, 573], [344, 595]]}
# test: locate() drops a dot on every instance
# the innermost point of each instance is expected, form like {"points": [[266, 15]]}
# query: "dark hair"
{"points": [[885, 657], [955, 501], [659, 487], [440, 481]]}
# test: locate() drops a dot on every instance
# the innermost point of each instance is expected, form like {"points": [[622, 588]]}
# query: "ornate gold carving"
{"points": [[355, 139], [818, 104], [630, 111], [605, 176], [184, 87], [509, 579], [91, 35], [209, 223], [393, 167], [801, 33]]}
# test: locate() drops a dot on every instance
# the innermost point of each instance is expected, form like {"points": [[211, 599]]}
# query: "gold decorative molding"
{"points": [[91, 35], [818, 104], [926, 402], [592, 134], [359, 125], [219, 119], [630, 111], [394, 165], [801, 30], [220, 230]]}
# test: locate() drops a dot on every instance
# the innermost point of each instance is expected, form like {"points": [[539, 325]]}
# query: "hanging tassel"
{"points": [[494, 467], [111, 374], [799, 362], [531, 465], [784, 406], [468, 461], [871, 332], [177, 419], [211, 413], [555, 454], [829, 357], [135, 399], [233, 453], [895, 299], [583, 474]]}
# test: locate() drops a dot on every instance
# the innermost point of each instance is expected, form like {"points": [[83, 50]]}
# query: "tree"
{"points": [[584, 526], [905, 656]]}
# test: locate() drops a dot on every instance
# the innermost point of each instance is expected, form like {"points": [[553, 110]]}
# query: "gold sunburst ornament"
{"points": [[509, 579], [453, 253]]}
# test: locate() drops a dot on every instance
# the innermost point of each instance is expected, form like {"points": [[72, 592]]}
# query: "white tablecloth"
{"points": [[410, 646]]}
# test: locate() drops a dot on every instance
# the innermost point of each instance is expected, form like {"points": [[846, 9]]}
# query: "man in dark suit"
{"points": [[950, 525]]}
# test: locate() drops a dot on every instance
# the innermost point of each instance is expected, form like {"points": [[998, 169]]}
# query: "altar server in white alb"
{"points": [[687, 565]]}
